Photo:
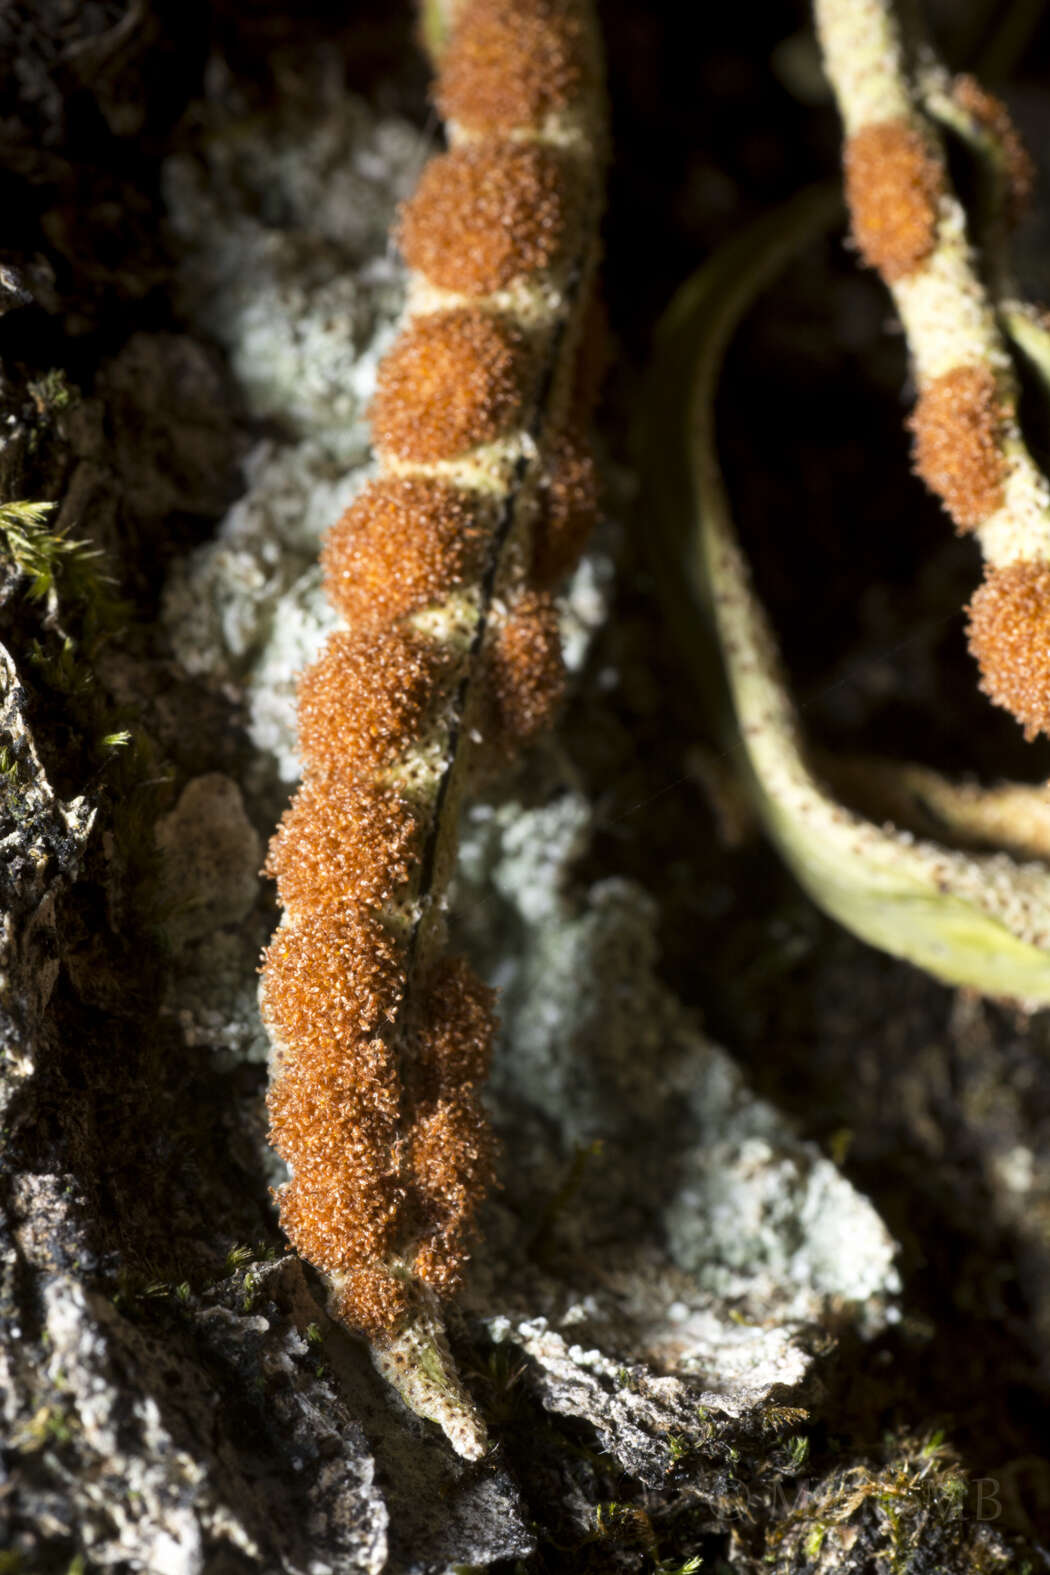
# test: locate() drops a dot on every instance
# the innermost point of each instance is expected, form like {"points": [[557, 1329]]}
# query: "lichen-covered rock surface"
{"points": [[766, 1281]]}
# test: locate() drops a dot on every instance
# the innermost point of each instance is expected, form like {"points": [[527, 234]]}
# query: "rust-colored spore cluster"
{"points": [[568, 507], [327, 1195], [457, 1021], [451, 1151], [1009, 634], [893, 183], [1018, 166], [342, 846], [402, 545], [511, 63], [568, 493], [372, 1299], [363, 701], [330, 978], [453, 380], [330, 984], [525, 673], [452, 1168], [958, 452], [484, 216]]}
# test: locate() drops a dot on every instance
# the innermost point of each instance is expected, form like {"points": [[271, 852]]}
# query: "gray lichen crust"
{"points": [[760, 1233]]}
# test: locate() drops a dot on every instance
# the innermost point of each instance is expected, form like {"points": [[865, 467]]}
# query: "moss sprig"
{"points": [[58, 567]]}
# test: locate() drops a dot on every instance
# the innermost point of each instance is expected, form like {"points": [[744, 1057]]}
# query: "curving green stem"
{"points": [[981, 920]]}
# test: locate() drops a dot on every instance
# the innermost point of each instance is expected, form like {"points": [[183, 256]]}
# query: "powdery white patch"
{"points": [[720, 1234]]}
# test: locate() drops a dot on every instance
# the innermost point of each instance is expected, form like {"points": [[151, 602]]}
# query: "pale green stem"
{"points": [[974, 919]]}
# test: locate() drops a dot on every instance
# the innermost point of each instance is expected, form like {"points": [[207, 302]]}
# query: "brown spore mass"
{"points": [[510, 63], [403, 544], [373, 1300], [342, 1214], [568, 507], [893, 182], [1009, 632], [452, 1167], [342, 845], [524, 674], [339, 1213], [457, 1024], [363, 701], [328, 980], [484, 216], [992, 114], [334, 1101], [957, 430], [451, 381], [568, 492]]}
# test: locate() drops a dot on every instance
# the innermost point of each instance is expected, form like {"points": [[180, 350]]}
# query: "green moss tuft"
{"points": [[58, 567]]}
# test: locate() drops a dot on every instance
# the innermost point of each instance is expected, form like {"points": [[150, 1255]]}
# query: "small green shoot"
{"points": [[51, 391], [814, 1541], [40, 553]]}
